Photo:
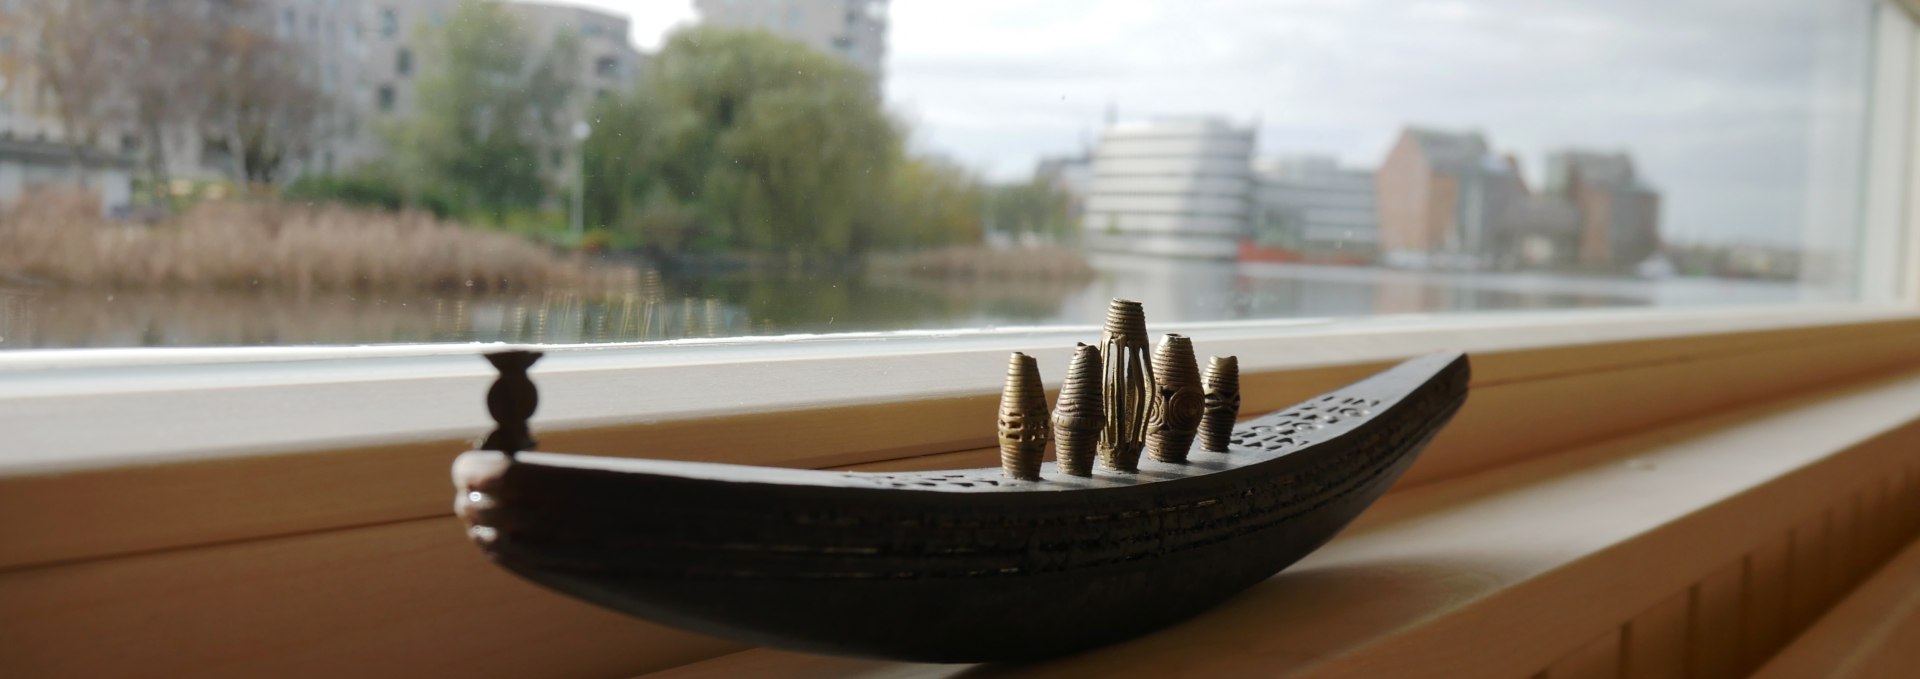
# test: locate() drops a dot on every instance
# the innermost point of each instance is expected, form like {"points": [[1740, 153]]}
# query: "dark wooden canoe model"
{"points": [[950, 566]]}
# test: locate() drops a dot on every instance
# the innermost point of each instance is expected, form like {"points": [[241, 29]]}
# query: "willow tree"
{"points": [[490, 101], [743, 141]]}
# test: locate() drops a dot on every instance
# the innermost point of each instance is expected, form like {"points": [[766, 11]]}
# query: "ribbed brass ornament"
{"points": [[1077, 415], [1223, 403], [1178, 401], [1024, 431], [1125, 382]]}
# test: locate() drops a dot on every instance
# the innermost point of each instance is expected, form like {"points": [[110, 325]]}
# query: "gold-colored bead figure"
{"points": [[1126, 377], [1024, 431], [1077, 415], [1178, 401], [1223, 403]]}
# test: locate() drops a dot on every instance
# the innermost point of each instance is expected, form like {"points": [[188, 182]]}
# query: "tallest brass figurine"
{"points": [[1126, 376]]}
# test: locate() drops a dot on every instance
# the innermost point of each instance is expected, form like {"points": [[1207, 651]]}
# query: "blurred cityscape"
{"points": [[754, 141]]}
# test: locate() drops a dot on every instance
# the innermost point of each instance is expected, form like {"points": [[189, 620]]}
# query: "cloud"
{"points": [[1719, 101]]}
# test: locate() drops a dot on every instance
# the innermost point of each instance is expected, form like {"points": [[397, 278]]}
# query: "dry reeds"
{"points": [[59, 238]]}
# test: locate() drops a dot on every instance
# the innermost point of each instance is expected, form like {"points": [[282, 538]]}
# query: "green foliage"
{"points": [[369, 187], [742, 141], [489, 109], [931, 202], [1036, 207]]}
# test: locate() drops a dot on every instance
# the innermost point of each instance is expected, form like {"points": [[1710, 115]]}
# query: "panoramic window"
{"points": [[208, 173]]}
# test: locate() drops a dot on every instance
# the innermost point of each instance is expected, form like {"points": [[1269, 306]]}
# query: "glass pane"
{"points": [[244, 172]]}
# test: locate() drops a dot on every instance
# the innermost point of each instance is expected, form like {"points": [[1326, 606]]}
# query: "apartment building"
{"points": [[1618, 216], [1448, 201], [854, 30], [364, 56], [1442, 198], [388, 53]]}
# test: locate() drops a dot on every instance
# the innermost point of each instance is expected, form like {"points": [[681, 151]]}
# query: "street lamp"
{"points": [[580, 132]]}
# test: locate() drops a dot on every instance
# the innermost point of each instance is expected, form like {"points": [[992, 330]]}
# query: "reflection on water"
{"points": [[727, 306]]}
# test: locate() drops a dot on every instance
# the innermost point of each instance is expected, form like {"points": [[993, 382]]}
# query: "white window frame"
{"points": [[117, 456]]}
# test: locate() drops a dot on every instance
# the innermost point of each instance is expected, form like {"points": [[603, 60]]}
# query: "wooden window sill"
{"points": [[324, 439], [1741, 526], [305, 505]]}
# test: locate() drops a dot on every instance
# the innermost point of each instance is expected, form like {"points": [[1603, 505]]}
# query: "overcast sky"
{"points": [[1723, 104]]}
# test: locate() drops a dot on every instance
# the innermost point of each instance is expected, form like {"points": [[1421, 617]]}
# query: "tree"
{"points": [[932, 201], [489, 105], [1036, 207], [74, 68], [262, 105], [165, 50], [743, 141], [143, 65]]}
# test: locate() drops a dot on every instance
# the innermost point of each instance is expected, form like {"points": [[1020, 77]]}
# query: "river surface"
{"points": [[737, 305]]}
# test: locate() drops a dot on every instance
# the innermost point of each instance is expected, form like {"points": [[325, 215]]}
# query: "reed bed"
{"points": [[1047, 263], [60, 239]]}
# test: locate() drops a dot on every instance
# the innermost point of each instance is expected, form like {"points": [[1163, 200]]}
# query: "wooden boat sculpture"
{"points": [[949, 566]]}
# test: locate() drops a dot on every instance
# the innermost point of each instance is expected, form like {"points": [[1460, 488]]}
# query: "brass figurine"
{"points": [[1126, 377], [511, 401], [1077, 415], [1023, 420], [1223, 403], [1178, 401]]}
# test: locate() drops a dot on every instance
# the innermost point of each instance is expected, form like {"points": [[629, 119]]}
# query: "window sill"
{"points": [[353, 437], [1697, 549], [308, 503]]}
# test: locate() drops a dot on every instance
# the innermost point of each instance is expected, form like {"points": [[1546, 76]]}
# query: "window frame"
{"points": [[317, 417], [296, 469]]}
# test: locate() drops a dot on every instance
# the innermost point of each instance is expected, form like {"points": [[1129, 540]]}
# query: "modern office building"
{"points": [[854, 30], [1311, 208], [1175, 187]]}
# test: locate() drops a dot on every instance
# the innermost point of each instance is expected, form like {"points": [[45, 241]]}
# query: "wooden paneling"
{"points": [[1713, 633], [1873, 633], [1597, 659], [409, 599], [1806, 572], [1657, 639], [1765, 606]]}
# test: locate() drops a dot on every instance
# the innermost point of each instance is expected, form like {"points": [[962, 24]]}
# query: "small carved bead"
{"points": [[1177, 400], [1024, 430], [1223, 403], [1077, 417]]}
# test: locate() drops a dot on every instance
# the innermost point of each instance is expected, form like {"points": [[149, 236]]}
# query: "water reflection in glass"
{"points": [[666, 308]]}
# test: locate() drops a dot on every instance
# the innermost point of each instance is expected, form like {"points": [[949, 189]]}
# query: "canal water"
{"points": [[739, 305]]}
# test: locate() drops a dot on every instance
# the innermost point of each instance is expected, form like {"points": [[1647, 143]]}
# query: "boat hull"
{"points": [[961, 566]]}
